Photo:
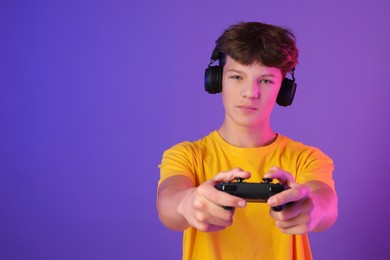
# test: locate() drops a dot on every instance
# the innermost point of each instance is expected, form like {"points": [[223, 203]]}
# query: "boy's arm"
{"points": [[170, 193]]}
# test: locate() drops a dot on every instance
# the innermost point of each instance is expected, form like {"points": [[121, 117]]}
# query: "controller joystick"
{"points": [[267, 180]]}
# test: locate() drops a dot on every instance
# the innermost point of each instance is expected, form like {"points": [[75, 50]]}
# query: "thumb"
{"points": [[282, 176], [230, 175]]}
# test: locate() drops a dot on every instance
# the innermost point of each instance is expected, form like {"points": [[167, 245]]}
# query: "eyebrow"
{"points": [[241, 72], [235, 70], [268, 75]]}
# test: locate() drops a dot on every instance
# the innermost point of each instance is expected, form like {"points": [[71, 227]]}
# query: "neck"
{"points": [[247, 137]]}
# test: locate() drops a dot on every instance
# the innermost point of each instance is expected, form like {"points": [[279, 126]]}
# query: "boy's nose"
{"points": [[251, 90]]}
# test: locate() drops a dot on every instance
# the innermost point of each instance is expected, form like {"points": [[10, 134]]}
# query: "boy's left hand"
{"points": [[303, 214]]}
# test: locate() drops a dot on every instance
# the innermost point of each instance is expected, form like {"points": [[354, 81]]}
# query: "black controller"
{"points": [[253, 192]]}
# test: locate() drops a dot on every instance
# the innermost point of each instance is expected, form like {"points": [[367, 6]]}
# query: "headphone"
{"points": [[213, 81]]}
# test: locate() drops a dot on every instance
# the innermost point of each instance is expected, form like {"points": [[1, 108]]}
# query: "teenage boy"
{"points": [[254, 59]]}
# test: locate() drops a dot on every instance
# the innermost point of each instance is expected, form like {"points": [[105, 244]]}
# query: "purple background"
{"points": [[92, 93]]}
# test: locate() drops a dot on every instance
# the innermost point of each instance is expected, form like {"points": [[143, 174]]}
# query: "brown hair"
{"points": [[252, 42]]}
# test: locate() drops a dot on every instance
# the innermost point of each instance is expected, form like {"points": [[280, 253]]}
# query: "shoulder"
{"points": [[191, 147], [302, 149]]}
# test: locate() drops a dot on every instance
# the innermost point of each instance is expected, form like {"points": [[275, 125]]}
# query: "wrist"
{"points": [[185, 206], [325, 201]]}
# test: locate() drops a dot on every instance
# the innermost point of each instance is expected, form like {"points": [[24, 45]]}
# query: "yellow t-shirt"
{"points": [[253, 234]]}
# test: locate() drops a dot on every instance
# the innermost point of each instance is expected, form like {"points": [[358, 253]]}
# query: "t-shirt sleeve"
{"points": [[317, 166], [178, 160]]}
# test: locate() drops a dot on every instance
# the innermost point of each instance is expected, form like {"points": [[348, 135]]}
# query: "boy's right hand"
{"points": [[202, 205]]}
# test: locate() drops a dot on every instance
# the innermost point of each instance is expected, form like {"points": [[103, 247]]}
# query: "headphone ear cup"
{"points": [[286, 93], [213, 79]]}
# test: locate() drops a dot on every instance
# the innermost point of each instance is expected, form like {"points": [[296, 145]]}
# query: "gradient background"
{"points": [[92, 93]]}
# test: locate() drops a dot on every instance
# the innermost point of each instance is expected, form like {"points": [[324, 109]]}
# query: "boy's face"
{"points": [[249, 92]]}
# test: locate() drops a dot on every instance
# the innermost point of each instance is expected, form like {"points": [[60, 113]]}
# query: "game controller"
{"points": [[253, 192]]}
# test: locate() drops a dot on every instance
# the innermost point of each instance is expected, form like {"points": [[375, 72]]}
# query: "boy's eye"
{"points": [[266, 81], [236, 77]]}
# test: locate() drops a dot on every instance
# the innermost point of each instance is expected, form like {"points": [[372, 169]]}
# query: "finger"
{"points": [[296, 230], [295, 193], [298, 225], [209, 219], [205, 226], [208, 213], [280, 175], [208, 227], [231, 175], [289, 212], [220, 198], [293, 220], [221, 216]]}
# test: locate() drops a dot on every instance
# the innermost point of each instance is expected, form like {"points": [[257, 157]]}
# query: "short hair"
{"points": [[250, 42]]}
